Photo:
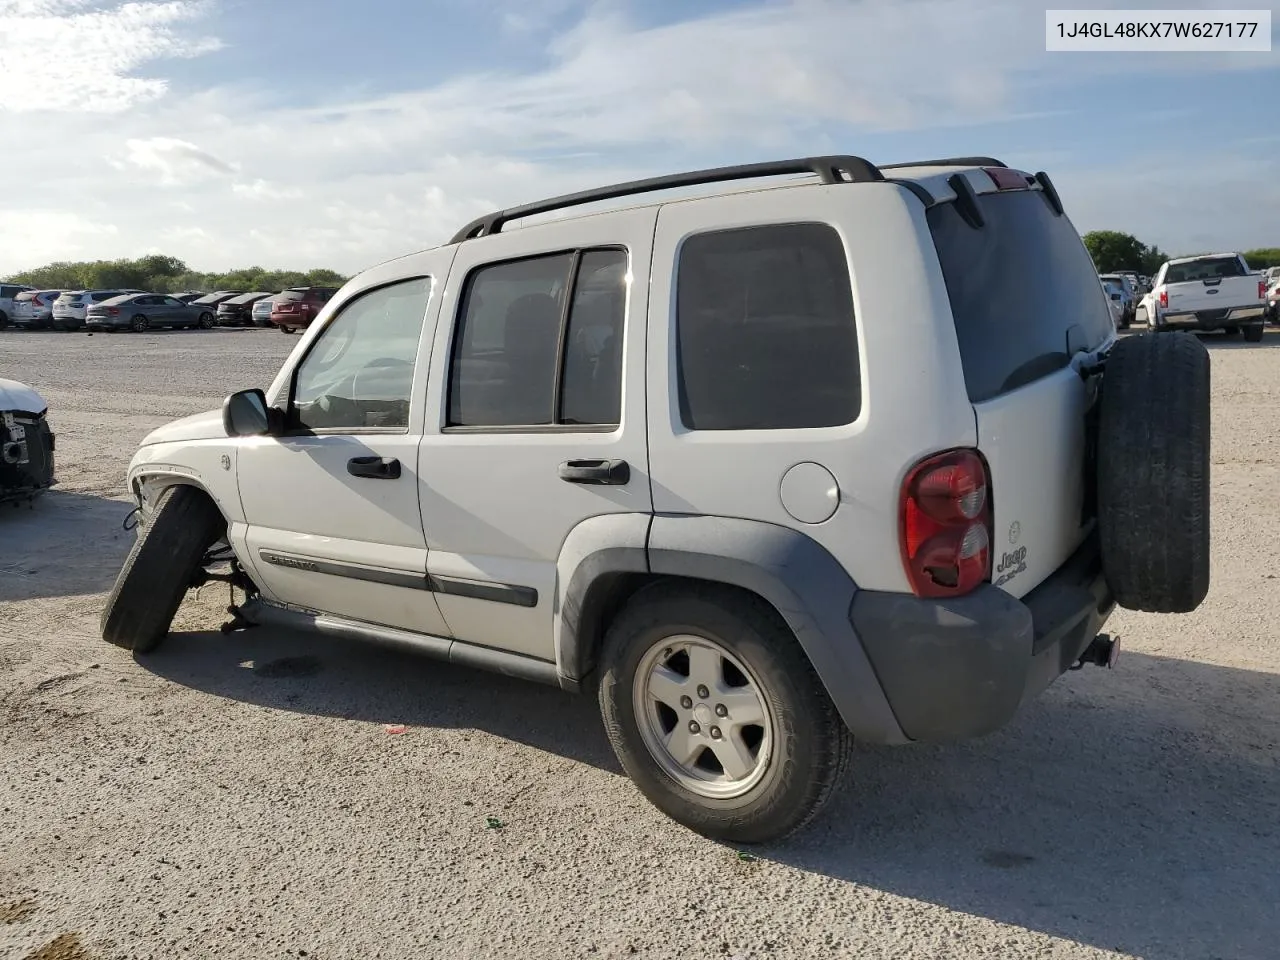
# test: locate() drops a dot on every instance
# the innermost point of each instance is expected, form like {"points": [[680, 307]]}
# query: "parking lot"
{"points": [[242, 797]]}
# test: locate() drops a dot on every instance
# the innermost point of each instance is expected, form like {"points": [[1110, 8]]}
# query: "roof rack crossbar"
{"points": [[947, 162], [829, 169]]}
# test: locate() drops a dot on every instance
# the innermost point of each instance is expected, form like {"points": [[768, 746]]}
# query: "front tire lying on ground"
{"points": [[716, 714], [160, 568], [1153, 472]]}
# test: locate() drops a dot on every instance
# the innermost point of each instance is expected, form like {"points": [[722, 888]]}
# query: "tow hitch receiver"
{"points": [[1102, 652]]}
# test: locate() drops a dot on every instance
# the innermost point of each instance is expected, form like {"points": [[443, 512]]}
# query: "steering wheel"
{"points": [[380, 364]]}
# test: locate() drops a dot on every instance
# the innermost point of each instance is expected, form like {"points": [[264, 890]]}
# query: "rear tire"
{"points": [[159, 569], [789, 763], [1253, 333], [1153, 472]]}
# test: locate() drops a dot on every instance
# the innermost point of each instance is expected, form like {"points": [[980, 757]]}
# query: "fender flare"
{"points": [[792, 572]]}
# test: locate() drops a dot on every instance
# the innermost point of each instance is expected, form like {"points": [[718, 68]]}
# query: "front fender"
{"points": [[209, 465]]}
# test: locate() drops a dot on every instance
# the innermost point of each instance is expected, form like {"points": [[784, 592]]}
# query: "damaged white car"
{"points": [[26, 443]]}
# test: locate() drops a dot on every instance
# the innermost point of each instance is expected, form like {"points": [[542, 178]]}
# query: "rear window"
{"points": [[1024, 291], [7, 291], [1210, 268], [294, 294], [27, 295], [71, 298]]}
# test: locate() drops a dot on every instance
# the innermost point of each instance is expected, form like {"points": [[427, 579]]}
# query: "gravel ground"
{"points": [[240, 797]]}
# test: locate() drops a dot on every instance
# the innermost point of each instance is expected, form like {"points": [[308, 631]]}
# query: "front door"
{"points": [[332, 505], [536, 419]]}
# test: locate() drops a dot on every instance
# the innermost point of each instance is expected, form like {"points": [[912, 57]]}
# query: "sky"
{"points": [[341, 133]]}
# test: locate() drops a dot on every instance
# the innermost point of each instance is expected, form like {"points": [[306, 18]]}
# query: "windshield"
{"points": [[1022, 288], [1210, 268]]}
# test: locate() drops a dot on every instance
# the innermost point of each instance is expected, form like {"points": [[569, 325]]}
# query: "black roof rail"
{"points": [[948, 162], [829, 169]]}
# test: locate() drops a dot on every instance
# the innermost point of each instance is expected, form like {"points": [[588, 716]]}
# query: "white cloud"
{"points": [[348, 184], [178, 162], [80, 54], [262, 190]]}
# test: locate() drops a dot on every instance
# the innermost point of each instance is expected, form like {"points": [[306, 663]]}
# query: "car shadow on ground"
{"points": [[1136, 810], [332, 677], [63, 544]]}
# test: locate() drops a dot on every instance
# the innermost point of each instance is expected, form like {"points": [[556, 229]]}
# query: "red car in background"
{"points": [[296, 307]]}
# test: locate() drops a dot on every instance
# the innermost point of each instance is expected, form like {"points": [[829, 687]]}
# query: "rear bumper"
{"points": [[955, 669], [1213, 319]]}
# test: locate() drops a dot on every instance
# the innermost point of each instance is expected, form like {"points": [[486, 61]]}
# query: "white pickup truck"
{"points": [[1211, 292]]}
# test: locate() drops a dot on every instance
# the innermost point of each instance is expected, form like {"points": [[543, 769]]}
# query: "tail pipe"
{"points": [[1102, 652]]}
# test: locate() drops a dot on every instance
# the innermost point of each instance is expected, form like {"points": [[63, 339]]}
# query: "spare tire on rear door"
{"points": [[1153, 472]]}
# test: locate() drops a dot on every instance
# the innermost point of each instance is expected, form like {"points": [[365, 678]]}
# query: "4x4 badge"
{"points": [[1015, 531]]}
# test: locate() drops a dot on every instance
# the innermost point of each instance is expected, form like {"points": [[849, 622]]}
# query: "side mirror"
{"points": [[245, 414]]}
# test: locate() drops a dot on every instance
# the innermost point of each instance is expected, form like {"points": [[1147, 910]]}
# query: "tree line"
{"points": [[158, 273], [1112, 250]]}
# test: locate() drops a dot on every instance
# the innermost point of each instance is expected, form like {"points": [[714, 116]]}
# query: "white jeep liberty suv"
{"points": [[831, 452]]}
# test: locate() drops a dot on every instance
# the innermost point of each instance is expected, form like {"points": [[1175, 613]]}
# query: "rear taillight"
{"points": [[1164, 298], [946, 524], [1262, 289]]}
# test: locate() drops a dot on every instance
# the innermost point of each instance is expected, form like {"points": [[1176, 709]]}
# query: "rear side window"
{"points": [[7, 292], [765, 330], [1024, 291], [1210, 268]]}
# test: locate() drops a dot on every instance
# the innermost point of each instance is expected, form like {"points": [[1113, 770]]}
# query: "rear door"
{"points": [[536, 421], [1025, 300]]}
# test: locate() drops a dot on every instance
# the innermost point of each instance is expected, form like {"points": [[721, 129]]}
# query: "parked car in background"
{"points": [[139, 312], [1143, 312], [1273, 300], [1211, 292], [26, 443], [1135, 279], [1128, 296], [188, 295], [238, 311], [261, 313], [211, 301], [70, 309], [295, 308], [8, 293], [33, 308], [1115, 299]]}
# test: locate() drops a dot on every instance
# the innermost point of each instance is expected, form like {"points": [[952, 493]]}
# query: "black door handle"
{"points": [[375, 468], [596, 472]]}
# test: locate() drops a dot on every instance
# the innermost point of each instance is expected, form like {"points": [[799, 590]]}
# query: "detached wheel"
{"points": [[138, 323], [1153, 472], [160, 568], [716, 714], [1253, 333]]}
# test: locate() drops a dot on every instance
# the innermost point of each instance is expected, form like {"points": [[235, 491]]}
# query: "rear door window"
{"points": [[1024, 291]]}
